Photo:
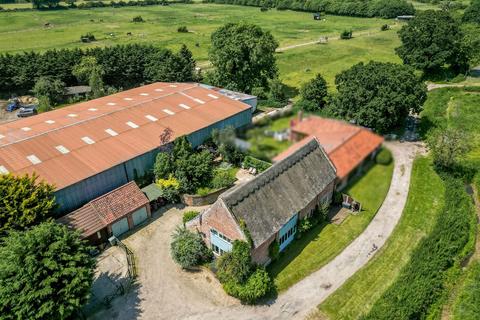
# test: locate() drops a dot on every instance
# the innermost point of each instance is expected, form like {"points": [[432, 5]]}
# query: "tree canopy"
{"points": [[45, 273], [432, 40], [188, 248], [52, 89], [24, 202], [378, 95], [243, 56], [90, 72], [472, 13], [315, 91]]}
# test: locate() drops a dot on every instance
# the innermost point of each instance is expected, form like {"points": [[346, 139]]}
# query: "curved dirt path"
{"points": [[298, 301]]}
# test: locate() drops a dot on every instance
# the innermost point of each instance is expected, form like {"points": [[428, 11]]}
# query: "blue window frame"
{"points": [[287, 232]]}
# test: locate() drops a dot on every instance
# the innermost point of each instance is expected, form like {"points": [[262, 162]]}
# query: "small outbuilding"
{"points": [[154, 195], [113, 213]]}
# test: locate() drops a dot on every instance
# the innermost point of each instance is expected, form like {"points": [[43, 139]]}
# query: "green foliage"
{"points": [[246, 232], [378, 95], [243, 57], [384, 157], [346, 34], [472, 13], [385, 27], [258, 285], [44, 104], [188, 248], [314, 91], [432, 40], [89, 71], [225, 141], [45, 273], [449, 146], [420, 283], [192, 169], [260, 165], [236, 265], [53, 89], [169, 188], [189, 215], [467, 304], [24, 202], [274, 250], [182, 29], [305, 224], [223, 179], [277, 91], [40, 4], [124, 66], [138, 19], [357, 8]]}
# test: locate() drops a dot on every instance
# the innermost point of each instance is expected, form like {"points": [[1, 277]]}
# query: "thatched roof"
{"points": [[267, 202]]}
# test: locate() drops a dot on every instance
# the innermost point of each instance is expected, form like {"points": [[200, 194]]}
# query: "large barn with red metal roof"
{"points": [[91, 148]]}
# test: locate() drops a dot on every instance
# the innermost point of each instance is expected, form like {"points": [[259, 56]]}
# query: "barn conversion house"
{"points": [[93, 147], [270, 205], [348, 146]]}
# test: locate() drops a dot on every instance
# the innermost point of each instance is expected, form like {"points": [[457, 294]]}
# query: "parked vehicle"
{"points": [[27, 111], [13, 105]]}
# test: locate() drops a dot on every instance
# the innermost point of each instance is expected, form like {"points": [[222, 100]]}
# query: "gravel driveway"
{"points": [[166, 292]]}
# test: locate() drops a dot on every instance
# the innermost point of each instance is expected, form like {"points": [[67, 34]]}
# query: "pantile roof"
{"points": [[84, 139], [347, 145]]}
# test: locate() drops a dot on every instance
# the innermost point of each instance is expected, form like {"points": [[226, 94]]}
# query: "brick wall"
{"points": [[260, 253], [197, 201], [218, 218]]}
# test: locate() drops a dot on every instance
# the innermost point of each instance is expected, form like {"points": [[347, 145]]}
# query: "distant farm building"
{"points": [[90, 148], [404, 18], [348, 146], [270, 205]]}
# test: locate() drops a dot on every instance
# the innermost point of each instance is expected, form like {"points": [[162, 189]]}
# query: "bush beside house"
{"points": [[188, 248]]}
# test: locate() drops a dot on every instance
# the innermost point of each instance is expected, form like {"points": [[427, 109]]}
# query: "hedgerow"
{"points": [[421, 282]]}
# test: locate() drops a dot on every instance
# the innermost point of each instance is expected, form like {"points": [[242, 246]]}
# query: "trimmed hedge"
{"points": [[189, 215], [359, 8], [384, 157], [421, 282]]}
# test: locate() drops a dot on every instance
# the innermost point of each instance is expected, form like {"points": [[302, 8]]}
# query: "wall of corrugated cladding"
{"points": [[239, 120], [76, 195]]}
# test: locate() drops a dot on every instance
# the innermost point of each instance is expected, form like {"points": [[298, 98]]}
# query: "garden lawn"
{"points": [[299, 65], [359, 293], [326, 241], [22, 31]]}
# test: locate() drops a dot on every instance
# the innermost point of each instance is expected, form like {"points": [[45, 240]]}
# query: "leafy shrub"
{"points": [[308, 106], [346, 34], [315, 91], [169, 188], [467, 305], [277, 91], [203, 191], [385, 27], [189, 215], [274, 250], [305, 225], [182, 29], [138, 19], [257, 286], [251, 162], [337, 198], [188, 248], [235, 266], [421, 282], [384, 157], [223, 179]]}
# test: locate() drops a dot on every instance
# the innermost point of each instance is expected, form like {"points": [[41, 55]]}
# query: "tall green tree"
{"points": [[378, 95], [432, 40], [90, 72], [24, 202], [315, 91], [472, 13], [45, 273], [449, 147], [243, 56], [164, 65], [53, 89]]}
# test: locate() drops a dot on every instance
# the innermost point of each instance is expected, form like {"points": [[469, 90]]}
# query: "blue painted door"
{"points": [[287, 232], [120, 227], [139, 216]]}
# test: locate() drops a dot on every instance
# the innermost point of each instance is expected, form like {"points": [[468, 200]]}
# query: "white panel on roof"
{"points": [[151, 118], [3, 170], [62, 149], [132, 124], [111, 132], [34, 159], [88, 140], [170, 112]]}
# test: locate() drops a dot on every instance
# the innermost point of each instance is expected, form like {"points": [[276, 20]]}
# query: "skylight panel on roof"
{"points": [[184, 106], [111, 104], [111, 132], [72, 115], [199, 101], [127, 99], [34, 159], [159, 90], [173, 86], [50, 121], [26, 129], [62, 149], [212, 96], [92, 109], [2, 136], [88, 140], [3, 170], [151, 118], [170, 112], [144, 94], [132, 125]]}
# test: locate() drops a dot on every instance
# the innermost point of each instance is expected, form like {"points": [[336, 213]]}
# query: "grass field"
{"points": [[325, 241], [359, 293], [301, 64]]}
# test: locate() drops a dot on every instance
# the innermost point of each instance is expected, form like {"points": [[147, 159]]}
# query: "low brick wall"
{"points": [[195, 200]]}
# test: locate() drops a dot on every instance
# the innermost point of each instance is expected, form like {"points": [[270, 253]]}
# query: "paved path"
{"points": [[298, 301]]}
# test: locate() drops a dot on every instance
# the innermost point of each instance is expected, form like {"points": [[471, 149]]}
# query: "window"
{"points": [[217, 250], [221, 235]]}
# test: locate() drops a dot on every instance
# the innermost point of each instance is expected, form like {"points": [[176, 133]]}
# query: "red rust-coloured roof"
{"points": [[347, 145], [183, 107], [104, 210]]}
